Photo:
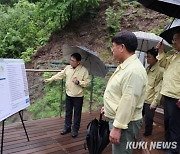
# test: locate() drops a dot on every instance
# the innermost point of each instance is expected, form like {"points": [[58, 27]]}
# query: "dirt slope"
{"points": [[91, 32]]}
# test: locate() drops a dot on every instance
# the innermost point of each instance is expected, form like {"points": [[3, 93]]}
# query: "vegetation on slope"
{"points": [[35, 30]]}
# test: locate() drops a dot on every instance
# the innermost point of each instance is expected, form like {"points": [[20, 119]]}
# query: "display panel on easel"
{"points": [[14, 94]]}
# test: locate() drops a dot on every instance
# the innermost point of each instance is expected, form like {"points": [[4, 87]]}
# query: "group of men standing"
{"points": [[130, 91]]}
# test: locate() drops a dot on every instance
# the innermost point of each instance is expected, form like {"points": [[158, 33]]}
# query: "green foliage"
{"points": [[47, 75], [8, 2], [136, 4], [27, 54], [157, 32], [112, 19], [17, 30], [49, 105], [98, 91], [33, 1], [114, 16], [28, 24], [99, 88]]}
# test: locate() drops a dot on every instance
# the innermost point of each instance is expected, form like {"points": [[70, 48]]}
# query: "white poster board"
{"points": [[14, 95]]}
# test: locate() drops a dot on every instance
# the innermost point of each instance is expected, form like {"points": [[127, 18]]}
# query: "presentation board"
{"points": [[14, 94]]}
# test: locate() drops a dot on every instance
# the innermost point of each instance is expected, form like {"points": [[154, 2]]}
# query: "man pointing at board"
{"points": [[77, 77]]}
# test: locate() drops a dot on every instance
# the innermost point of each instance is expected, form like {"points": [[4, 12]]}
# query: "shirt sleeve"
{"points": [[157, 88], [58, 76], [132, 89], [163, 61], [85, 80]]}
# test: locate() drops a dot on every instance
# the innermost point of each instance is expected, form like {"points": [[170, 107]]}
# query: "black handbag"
{"points": [[97, 137]]}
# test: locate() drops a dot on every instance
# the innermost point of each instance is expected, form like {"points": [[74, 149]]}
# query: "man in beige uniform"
{"points": [[77, 77], [125, 93], [152, 99], [171, 91]]}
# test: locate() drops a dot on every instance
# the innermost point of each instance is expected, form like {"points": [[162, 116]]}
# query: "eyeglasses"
{"points": [[112, 48]]}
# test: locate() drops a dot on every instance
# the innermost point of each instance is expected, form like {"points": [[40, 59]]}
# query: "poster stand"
{"points": [[2, 137]]}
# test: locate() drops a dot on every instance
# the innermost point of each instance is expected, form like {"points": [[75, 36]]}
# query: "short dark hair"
{"points": [[177, 31], [77, 56], [127, 38], [153, 52]]}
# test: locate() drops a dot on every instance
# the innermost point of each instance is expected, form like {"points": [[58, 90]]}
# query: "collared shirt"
{"points": [[125, 93], [82, 75], [155, 75], [171, 77]]}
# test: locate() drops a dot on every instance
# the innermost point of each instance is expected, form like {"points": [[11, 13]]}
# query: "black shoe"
{"points": [[74, 134], [65, 131]]}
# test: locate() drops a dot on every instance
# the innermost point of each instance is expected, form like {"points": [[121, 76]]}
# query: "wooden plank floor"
{"points": [[45, 137]]}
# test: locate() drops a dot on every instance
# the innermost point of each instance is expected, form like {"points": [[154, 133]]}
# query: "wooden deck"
{"points": [[45, 138]]}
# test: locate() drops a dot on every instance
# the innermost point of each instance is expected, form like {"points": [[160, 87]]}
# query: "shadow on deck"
{"points": [[45, 137]]}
